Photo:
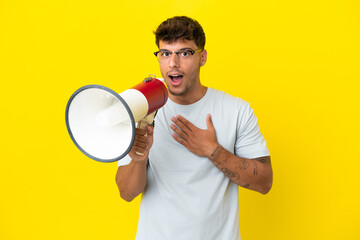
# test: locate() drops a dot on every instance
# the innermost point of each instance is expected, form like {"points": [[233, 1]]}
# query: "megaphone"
{"points": [[102, 123]]}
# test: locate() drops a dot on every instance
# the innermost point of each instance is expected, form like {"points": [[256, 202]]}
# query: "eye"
{"points": [[185, 53], [164, 54]]}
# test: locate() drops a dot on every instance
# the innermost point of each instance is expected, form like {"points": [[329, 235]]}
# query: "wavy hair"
{"points": [[180, 28]]}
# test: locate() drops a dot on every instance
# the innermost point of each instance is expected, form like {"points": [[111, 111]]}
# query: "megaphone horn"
{"points": [[101, 122]]}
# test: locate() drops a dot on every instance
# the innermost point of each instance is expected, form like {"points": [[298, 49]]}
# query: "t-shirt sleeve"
{"points": [[250, 143]]}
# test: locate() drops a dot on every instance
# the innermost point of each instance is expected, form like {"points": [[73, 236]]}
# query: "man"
{"points": [[204, 145]]}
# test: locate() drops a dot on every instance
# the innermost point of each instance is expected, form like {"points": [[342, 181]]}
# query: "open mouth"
{"points": [[176, 78]]}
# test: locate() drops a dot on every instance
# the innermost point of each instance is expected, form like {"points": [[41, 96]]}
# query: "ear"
{"points": [[203, 58]]}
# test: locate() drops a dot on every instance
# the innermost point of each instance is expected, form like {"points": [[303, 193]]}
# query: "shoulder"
{"points": [[227, 100]]}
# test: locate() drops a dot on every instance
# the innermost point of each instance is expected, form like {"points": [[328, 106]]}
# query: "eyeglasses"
{"points": [[182, 54]]}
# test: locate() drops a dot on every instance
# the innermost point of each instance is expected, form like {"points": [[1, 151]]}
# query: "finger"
{"points": [[179, 139], [186, 122], [138, 150], [180, 125], [178, 131], [140, 131], [140, 144], [138, 147], [209, 122], [140, 138]]}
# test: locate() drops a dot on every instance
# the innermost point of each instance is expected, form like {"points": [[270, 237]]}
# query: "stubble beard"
{"points": [[185, 90]]}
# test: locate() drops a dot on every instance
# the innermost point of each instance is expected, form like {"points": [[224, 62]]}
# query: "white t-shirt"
{"points": [[186, 196]]}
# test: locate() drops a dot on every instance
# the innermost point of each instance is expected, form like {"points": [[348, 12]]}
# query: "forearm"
{"points": [[254, 174], [131, 179]]}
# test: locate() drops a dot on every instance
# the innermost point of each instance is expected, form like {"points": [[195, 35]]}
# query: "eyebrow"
{"points": [[182, 49]]}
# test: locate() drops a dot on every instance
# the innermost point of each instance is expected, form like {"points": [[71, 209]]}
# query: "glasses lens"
{"points": [[183, 54], [163, 55]]}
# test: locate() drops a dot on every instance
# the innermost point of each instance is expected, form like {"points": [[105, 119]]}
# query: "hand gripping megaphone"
{"points": [[102, 123]]}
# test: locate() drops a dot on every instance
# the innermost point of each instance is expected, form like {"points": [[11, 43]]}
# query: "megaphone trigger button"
{"points": [[148, 79]]}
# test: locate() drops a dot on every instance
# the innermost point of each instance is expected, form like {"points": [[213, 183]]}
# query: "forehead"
{"points": [[178, 44]]}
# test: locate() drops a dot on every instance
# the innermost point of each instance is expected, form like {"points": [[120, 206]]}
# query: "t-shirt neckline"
{"points": [[192, 105]]}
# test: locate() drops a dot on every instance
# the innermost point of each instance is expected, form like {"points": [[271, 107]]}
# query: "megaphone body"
{"points": [[102, 123]]}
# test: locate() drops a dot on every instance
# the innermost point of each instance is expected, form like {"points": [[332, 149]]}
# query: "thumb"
{"points": [[150, 130], [209, 122], [150, 138]]}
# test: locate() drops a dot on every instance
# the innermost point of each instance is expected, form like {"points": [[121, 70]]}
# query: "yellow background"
{"points": [[296, 62]]}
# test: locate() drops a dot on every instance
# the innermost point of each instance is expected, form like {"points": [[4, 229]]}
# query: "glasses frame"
{"points": [[178, 51]]}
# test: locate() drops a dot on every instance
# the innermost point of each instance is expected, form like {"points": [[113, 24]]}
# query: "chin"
{"points": [[178, 92]]}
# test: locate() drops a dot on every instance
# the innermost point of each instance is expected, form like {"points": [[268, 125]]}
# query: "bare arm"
{"points": [[255, 174], [131, 179]]}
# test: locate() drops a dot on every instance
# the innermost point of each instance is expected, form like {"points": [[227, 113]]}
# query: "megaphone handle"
{"points": [[148, 120], [143, 123]]}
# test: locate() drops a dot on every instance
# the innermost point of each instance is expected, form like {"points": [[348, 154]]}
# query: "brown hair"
{"points": [[180, 28]]}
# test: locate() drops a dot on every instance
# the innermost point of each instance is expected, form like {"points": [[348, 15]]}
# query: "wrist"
{"points": [[140, 161], [213, 151], [215, 156]]}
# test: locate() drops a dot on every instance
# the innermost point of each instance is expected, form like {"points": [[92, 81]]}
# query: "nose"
{"points": [[174, 61]]}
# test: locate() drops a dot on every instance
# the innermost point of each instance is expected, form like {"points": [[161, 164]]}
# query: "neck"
{"points": [[190, 97]]}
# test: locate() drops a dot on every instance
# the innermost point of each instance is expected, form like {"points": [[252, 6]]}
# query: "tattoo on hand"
{"points": [[230, 174]]}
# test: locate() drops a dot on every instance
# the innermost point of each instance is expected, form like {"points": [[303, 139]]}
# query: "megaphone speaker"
{"points": [[102, 123]]}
